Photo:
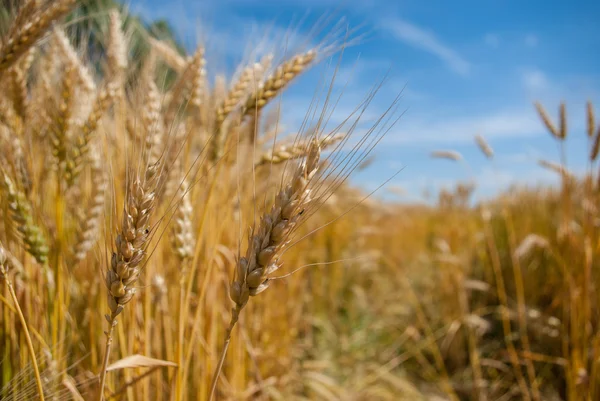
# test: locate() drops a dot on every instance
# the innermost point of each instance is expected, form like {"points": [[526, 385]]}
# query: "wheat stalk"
{"points": [[4, 266], [131, 243], [267, 241]]}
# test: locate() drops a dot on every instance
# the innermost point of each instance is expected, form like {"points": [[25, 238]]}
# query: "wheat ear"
{"points": [[484, 146], [245, 83], [559, 133], [198, 81], [18, 74], [4, 266], [21, 214], [182, 232], [267, 241], [14, 125], [90, 225], [61, 120], [26, 11], [84, 76], [116, 52], [283, 153], [282, 76], [595, 146], [590, 119], [447, 154], [151, 115], [131, 243], [30, 31], [81, 146], [194, 64], [169, 55]]}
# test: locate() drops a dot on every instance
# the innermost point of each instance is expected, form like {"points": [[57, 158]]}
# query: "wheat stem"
{"points": [[109, 339], [30, 349], [235, 314]]}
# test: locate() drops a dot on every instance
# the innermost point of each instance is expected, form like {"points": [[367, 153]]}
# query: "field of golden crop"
{"points": [[163, 238]]}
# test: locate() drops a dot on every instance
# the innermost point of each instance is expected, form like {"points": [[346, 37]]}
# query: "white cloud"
{"points": [[535, 80], [531, 40], [426, 40], [501, 124], [492, 40]]}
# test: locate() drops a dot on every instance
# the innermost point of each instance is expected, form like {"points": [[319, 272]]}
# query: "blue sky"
{"points": [[464, 68]]}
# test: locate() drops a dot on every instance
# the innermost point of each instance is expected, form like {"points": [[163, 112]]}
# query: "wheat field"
{"points": [[163, 236]]}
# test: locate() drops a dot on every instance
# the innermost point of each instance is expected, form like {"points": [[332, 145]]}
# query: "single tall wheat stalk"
{"points": [[267, 241]]}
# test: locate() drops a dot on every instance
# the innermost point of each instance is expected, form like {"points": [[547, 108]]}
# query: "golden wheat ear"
{"points": [[268, 239], [29, 27], [128, 258]]}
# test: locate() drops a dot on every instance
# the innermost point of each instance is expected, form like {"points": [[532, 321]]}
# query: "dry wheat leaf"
{"points": [[138, 361]]}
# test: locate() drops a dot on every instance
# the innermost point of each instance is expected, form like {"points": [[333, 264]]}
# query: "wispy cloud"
{"points": [[426, 40], [535, 80], [492, 39], [531, 40], [501, 125]]}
